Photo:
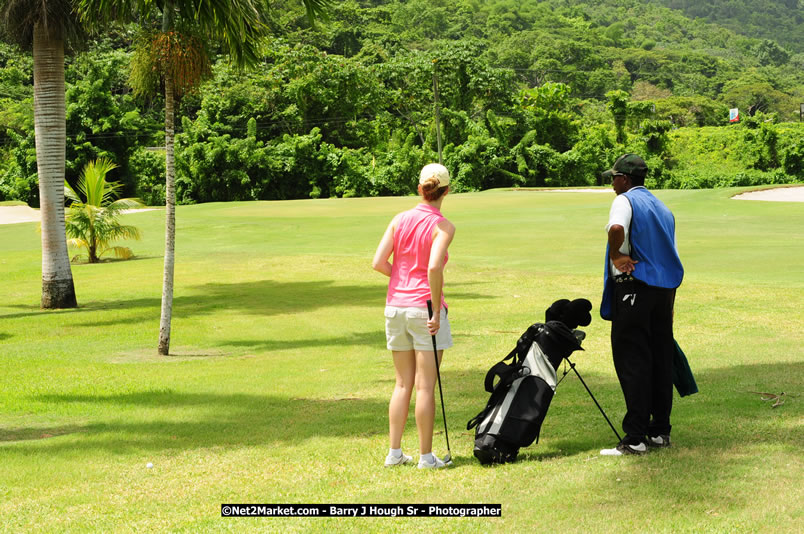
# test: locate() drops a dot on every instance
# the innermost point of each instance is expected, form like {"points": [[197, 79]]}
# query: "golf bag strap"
{"points": [[505, 371], [496, 397]]}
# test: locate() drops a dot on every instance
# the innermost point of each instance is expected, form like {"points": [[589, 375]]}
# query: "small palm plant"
{"points": [[93, 223]]}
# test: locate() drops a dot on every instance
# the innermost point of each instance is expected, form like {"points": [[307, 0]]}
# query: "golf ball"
{"points": [[149, 465]]}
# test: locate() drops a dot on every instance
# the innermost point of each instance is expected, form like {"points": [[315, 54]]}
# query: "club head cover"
{"points": [[556, 311], [578, 313], [572, 313]]}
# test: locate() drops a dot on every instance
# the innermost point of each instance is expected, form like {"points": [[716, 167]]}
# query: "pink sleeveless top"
{"points": [[413, 239]]}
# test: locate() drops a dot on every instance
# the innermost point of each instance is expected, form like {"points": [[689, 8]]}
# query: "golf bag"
{"points": [[520, 399], [525, 383]]}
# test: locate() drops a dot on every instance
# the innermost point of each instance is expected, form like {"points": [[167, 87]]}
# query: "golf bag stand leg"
{"points": [[572, 366]]}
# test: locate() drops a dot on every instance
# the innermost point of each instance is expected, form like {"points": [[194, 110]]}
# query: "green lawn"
{"points": [[278, 388]]}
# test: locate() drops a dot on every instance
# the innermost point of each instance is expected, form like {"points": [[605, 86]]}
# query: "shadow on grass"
{"points": [[36, 433], [82, 262], [375, 339], [724, 416], [260, 297], [214, 420]]}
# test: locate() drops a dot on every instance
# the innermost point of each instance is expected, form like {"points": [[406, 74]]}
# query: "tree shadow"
{"points": [[82, 262], [724, 416], [36, 311], [260, 297], [374, 338], [37, 433], [226, 420], [726, 413]]}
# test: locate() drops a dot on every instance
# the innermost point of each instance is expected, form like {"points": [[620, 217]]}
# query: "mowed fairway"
{"points": [[278, 388]]}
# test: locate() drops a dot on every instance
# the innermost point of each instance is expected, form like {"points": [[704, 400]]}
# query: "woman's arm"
{"points": [[385, 249], [445, 231]]}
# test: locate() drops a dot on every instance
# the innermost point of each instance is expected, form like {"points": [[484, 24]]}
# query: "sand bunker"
{"points": [[18, 214], [777, 194], [23, 214]]}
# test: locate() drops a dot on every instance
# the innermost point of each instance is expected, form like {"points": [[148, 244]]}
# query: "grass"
{"points": [[278, 387]]}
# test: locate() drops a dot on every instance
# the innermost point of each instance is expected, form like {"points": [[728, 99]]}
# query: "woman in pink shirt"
{"points": [[418, 239]]}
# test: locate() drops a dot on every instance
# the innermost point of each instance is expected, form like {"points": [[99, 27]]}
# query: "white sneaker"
{"points": [[391, 460], [436, 464], [622, 450]]}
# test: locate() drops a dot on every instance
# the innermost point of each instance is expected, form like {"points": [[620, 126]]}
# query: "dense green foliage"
{"points": [[780, 20], [530, 94]]}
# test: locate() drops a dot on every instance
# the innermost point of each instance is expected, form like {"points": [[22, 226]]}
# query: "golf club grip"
{"points": [[435, 348]]}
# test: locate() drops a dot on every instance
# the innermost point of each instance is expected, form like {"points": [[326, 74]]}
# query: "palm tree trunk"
{"points": [[170, 221], [58, 290]]}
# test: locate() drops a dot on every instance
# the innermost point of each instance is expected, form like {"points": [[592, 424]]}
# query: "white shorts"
{"points": [[406, 329]]}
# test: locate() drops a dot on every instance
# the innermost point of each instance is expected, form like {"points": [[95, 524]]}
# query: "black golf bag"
{"points": [[522, 394], [524, 387]]}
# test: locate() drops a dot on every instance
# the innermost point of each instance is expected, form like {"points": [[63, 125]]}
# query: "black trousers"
{"points": [[642, 346]]}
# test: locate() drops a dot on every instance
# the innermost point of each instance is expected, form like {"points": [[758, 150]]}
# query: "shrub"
{"points": [[148, 169]]}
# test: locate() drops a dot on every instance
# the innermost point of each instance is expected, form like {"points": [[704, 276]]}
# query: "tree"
{"points": [[770, 53], [176, 55], [93, 223], [45, 26], [618, 106]]}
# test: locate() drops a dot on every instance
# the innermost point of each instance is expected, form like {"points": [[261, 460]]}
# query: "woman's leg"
{"points": [[405, 367], [425, 397]]}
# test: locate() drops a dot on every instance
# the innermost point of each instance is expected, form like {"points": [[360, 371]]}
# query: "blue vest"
{"points": [[652, 238]]}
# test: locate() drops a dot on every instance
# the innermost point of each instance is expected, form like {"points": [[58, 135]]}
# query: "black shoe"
{"points": [[659, 442]]}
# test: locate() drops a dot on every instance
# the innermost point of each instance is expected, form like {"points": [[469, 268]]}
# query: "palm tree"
{"points": [[176, 56], [92, 223], [45, 26]]}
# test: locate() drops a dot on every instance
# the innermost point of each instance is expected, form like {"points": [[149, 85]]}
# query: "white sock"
{"points": [[396, 453], [428, 458]]}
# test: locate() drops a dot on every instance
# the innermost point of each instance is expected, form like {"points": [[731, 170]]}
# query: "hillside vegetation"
{"points": [[780, 20], [530, 94]]}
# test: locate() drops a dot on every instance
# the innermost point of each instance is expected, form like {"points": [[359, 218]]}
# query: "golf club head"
{"points": [[447, 459]]}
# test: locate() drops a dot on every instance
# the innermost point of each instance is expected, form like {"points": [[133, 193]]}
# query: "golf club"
{"points": [[448, 457]]}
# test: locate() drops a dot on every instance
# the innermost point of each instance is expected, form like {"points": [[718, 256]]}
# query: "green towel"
{"points": [[682, 374]]}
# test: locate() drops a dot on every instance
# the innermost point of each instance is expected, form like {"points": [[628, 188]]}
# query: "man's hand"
{"points": [[623, 262]]}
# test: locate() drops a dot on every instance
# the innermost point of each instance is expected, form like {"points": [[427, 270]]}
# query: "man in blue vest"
{"points": [[642, 272]]}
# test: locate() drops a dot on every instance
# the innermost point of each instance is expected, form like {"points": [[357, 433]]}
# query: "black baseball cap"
{"points": [[629, 164]]}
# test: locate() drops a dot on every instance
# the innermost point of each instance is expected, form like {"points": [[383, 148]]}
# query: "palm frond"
{"points": [[92, 224], [123, 232], [123, 253], [317, 9], [93, 185], [77, 243], [237, 23], [18, 18], [70, 193], [97, 13], [124, 204]]}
